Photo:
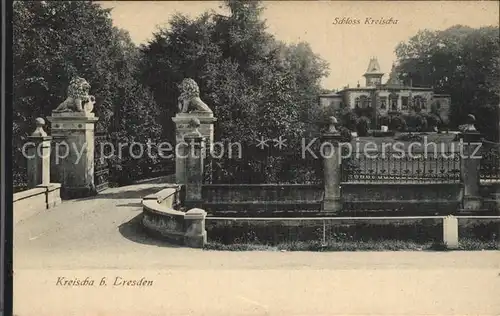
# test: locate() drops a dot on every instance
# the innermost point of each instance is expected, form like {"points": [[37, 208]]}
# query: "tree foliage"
{"points": [[461, 61], [54, 41], [256, 85]]}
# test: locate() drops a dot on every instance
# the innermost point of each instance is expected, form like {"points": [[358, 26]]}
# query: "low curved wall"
{"points": [[161, 219]]}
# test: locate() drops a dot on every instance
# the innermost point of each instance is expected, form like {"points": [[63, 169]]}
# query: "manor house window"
{"points": [[383, 103], [365, 101], [419, 102], [404, 103], [356, 102], [394, 103]]}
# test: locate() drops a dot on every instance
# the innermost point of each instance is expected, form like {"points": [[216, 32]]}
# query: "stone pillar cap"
{"points": [[332, 120], [73, 117], [39, 132], [332, 130], [195, 213], [471, 120], [204, 117]]}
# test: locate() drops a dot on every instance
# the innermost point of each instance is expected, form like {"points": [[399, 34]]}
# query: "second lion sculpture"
{"points": [[78, 98], [189, 99]]}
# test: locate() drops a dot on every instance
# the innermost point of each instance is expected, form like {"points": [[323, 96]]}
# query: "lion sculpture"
{"points": [[78, 99], [189, 99]]}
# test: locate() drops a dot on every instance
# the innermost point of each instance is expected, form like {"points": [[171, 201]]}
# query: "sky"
{"points": [[346, 47]]}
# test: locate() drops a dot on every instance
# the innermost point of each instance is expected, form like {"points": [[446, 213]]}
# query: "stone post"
{"points": [[182, 127], [469, 168], [193, 167], [38, 154], [195, 235], [75, 156], [73, 122], [450, 232], [329, 150]]}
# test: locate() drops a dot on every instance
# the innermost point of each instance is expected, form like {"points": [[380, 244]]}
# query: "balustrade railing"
{"points": [[127, 169], [397, 167], [284, 169], [101, 162], [490, 162]]}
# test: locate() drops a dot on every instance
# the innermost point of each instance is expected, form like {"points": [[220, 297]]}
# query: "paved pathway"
{"points": [[100, 238]]}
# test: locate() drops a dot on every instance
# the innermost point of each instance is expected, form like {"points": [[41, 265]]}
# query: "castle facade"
{"points": [[388, 98]]}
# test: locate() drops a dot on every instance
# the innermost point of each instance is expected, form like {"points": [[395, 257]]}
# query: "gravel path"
{"points": [[100, 238]]}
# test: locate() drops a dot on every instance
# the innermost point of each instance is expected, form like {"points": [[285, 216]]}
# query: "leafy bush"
{"points": [[349, 119], [488, 121], [410, 138], [421, 124], [433, 121], [416, 122], [382, 134], [397, 123], [363, 126], [346, 134], [367, 112], [385, 120]]}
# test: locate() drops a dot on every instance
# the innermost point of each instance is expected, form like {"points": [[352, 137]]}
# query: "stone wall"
{"points": [[413, 198], [358, 199], [441, 230], [262, 199], [31, 202]]}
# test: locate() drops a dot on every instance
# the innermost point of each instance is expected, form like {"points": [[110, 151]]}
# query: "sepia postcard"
{"points": [[251, 158]]}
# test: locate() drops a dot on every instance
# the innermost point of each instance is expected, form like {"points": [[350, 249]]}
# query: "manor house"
{"points": [[388, 98]]}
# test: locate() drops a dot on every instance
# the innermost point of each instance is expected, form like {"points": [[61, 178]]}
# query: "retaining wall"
{"points": [[30, 202]]}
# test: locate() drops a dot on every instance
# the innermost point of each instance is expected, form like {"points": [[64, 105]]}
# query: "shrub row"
{"points": [[413, 122]]}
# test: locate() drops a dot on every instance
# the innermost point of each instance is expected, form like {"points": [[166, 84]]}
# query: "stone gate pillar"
{"points": [[38, 154], [73, 123], [206, 129], [329, 150], [193, 167], [191, 107], [196, 234], [469, 168]]}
